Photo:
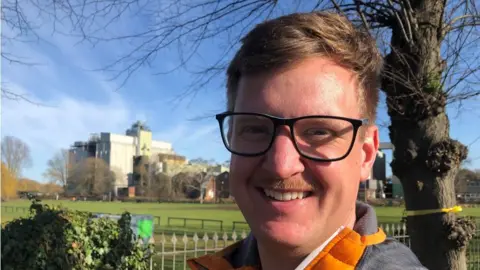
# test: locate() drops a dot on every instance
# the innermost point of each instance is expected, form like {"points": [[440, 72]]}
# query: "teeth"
{"points": [[285, 196]]}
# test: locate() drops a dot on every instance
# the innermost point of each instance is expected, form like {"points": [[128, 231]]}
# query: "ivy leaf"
{"points": [[58, 238]]}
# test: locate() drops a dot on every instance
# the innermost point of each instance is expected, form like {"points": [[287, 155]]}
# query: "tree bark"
{"points": [[426, 159]]}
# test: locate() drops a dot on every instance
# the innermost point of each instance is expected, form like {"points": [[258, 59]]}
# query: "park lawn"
{"points": [[228, 213]]}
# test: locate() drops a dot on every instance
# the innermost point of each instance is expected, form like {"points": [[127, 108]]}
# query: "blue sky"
{"points": [[77, 101]]}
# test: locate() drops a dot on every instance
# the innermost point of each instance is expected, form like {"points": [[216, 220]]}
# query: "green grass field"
{"points": [[227, 213]]}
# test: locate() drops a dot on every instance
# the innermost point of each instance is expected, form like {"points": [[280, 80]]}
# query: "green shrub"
{"points": [[58, 238]]}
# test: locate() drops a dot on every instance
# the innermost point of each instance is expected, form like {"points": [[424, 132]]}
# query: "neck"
{"points": [[280, 257]]}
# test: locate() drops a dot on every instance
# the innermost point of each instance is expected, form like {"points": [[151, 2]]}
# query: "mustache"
{"points": [[293, 183]]}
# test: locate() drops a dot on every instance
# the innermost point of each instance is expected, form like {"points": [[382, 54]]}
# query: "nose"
{"points": [[283, 160]]}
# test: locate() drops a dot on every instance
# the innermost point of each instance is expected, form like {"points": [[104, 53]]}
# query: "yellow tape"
{"points": [[454, 209]]}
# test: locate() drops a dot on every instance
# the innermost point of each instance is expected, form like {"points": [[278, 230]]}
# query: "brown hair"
{"points": [[282, 41]]}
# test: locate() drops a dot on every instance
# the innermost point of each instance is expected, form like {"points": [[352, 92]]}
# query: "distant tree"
{"points": [[174, 177], [91, 177], [192, 184], [143, 176], [28, 185], [226, 163], [57, 168], [195, 167], [184, 185], [9, 184], [150, 181], [161, 186], [16, 155], [202, 161]]}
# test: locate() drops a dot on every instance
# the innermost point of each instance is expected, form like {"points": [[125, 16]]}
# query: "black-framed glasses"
{"points": [[316, 137]]}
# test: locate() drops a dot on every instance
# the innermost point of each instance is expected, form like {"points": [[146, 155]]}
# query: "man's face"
{"points": [[315, 86]]}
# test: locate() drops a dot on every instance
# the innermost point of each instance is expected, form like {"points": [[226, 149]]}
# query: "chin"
{"points": [[288, 234]]}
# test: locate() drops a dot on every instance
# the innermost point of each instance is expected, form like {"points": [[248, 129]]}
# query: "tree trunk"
{"points": [[425, 159], [169, 188]]}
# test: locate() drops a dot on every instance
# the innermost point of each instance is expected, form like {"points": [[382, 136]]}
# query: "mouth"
{"points": [[285, 195]]}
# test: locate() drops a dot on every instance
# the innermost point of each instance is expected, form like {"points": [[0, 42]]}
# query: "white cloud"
{"points": [[47, 129], [171, 134], [187, 135], [197, 133], [68, 120]]}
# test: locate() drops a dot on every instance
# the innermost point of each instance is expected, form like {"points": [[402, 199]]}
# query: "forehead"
{"points": [[315, 86]]}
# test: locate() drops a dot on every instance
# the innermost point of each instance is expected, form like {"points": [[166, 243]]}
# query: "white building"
{"points": [[119, 150]]}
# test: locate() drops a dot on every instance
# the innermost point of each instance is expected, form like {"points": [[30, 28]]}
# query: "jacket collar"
{"points": [[247, 253]]}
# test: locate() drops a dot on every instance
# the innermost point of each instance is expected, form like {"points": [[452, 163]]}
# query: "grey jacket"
{"points": [[388, 255]]}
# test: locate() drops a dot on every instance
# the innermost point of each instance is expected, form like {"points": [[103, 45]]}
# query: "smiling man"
{"points": [[302, 97]]}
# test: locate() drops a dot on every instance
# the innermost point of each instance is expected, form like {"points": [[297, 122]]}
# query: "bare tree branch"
{"points": [[15, 155], [461, 22], [188, 25], [91, 177], [16, 28], [6, 94], [336, 5], [58, 168], [460, 69], [362, 15], [11, 95]]}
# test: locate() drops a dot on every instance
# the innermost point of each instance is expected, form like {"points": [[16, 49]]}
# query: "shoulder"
{"points": [[389, 255]]}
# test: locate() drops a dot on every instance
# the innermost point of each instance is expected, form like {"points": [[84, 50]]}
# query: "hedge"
{"points": [[58, 238]]}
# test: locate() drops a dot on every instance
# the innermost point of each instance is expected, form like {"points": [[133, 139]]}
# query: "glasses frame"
{"points": [[290, 122]]}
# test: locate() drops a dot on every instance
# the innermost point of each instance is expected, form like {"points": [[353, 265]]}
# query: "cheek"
{"points": [[336, 176], [241, 169]]}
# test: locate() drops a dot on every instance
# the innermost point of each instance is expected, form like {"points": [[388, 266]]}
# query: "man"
{"points": [[302, 96]]}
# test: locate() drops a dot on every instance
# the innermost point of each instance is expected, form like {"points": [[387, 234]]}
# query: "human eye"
{"points": [[315, 130], [315, 133], [252, 128], [254, 132]]}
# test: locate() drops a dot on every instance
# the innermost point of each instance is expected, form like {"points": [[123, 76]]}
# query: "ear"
{"points": [[369, 151]]}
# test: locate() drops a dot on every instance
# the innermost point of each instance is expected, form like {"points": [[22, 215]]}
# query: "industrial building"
{"points": [[119, 151]]}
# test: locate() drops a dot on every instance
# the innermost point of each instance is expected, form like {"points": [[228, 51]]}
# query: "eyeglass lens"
{"points": [[324, 138]]}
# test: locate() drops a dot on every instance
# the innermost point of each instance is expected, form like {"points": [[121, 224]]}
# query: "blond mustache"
{"points": [[300, 185]]}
